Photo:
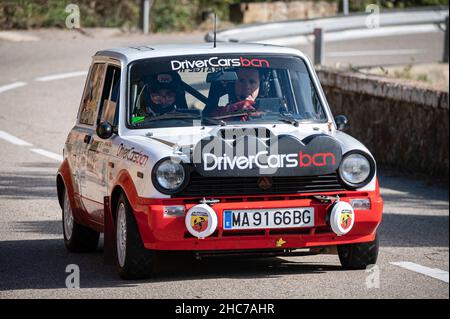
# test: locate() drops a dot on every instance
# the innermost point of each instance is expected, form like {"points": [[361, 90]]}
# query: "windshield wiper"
{"points": [[286, 117], [172, 115], [235, 114], [182, 115], [214, 121]]}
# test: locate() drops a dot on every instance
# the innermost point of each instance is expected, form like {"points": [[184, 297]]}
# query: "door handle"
{"points": [[87, 138]]}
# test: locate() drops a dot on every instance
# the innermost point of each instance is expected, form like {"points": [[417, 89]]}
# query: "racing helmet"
{"points": [[170, 81]]}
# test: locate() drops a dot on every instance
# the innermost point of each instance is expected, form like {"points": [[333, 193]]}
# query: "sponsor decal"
{"points": [[131, 155], [282, 156], [254, 63], [264, 160], [216, 62]]}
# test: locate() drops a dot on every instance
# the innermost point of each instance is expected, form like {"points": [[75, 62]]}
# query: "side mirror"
{"points": [[105, 130], [341, 122]]}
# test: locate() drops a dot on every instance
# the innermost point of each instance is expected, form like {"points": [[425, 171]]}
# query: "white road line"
{"points": [[17, 141], [11, 86], [60, 76], [373, 52], [13, 140], [48, 154], [431, 272]]}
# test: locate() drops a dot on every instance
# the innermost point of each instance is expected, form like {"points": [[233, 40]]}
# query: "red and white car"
{"points": [[218, 173]]}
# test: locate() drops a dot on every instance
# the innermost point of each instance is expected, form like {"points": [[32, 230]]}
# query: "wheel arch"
{"points": [[126, 186], [64, 181], [60, 187]]}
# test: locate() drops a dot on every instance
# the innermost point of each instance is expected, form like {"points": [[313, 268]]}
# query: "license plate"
{"points": [[268, 218]]}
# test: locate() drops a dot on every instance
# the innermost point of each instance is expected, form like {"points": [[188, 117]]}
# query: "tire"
{"points": [[133, 259], [77, 238], [358, 256]]}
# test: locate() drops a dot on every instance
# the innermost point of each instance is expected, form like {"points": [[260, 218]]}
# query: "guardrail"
{"points": [[256, 32]]}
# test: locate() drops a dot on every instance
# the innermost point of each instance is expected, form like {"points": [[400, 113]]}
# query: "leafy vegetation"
{"points": [[166, 15]]}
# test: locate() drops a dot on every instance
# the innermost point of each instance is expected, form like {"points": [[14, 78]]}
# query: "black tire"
{"points": [[138, 261], [358, 256], [80, 239]]}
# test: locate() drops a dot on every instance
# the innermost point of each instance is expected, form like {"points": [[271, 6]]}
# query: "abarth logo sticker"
{"points": [[131, 155], [346, 219], [199, 221]]}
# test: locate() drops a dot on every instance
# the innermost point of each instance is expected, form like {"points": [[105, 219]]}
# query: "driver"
{"points": [[246, 90], [163, 96]]}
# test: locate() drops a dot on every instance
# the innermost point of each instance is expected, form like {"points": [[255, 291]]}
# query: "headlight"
{"points": [[357, 169], [169, 176]]}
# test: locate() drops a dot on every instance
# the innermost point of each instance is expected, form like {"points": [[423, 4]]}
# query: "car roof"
{"points": [[132, 53]]}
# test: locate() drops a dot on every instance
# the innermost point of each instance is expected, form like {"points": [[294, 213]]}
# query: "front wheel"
{"points": [[77, 238], [358, 256], [134, 260]]}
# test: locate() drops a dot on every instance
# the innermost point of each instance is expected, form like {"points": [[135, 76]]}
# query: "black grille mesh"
{"points": [[230, 186]]}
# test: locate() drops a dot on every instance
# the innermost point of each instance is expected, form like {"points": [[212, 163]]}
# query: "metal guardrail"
{"points": [[284, 29]]}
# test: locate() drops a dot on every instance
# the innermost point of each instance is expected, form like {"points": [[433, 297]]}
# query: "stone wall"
{"points": [[404, 125], [280, 11]]}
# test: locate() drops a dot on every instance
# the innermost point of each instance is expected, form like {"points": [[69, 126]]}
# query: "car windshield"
{"points": [[220, 89]]}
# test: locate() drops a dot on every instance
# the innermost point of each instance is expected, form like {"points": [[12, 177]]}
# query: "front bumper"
{"points": [[160, 232]]}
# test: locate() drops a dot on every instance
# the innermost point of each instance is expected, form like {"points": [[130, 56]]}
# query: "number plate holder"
{"points": [[268, 218]]}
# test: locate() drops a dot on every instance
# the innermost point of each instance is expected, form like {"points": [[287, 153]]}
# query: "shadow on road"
{"points": [[41, 264], [28, 184], [43, 227]]}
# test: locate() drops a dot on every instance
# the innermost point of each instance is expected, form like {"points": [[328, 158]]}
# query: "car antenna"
{"points": [[215, 25]]}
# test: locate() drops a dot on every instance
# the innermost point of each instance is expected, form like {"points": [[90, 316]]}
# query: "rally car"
{"points": [[227, 149]]}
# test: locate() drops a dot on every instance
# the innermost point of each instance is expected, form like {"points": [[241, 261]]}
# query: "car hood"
{"points": [[169, 141]]}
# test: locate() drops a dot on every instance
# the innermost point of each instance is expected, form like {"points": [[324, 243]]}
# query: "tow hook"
{"points": [[210, 202]]}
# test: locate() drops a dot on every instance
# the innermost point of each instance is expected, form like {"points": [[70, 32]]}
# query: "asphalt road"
{"points": [[33, 259]]}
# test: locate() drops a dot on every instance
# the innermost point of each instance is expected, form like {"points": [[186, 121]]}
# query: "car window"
{"points": [[92, 94], [110, 96], [179, 90]]}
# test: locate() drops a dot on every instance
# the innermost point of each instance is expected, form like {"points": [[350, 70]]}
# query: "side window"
{"points": [[110, 96], [92, 94]]}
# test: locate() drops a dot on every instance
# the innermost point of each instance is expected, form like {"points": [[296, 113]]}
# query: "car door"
{"points": [[98, 150], [85, 132]]}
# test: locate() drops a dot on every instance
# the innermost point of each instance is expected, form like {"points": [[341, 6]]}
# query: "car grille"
{"points": [[229, 186]]}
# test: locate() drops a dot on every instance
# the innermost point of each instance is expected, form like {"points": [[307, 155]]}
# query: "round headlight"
{"points": [[356, 170], [169, 175]]}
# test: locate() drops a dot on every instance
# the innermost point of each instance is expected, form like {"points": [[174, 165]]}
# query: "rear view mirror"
{"points": [[341, 122], [221, 76]]}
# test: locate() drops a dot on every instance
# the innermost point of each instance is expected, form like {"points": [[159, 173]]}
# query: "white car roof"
{"points": [[129, 54]]}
